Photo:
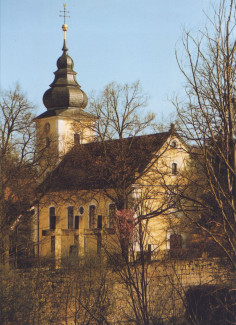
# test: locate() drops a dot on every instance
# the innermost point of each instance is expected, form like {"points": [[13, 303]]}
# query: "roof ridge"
{"points": [[131, 137]]}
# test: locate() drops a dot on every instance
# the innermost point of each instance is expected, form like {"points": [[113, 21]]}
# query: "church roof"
{"points": [[108, 164]]}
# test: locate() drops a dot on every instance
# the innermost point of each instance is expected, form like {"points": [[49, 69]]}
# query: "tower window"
{"points": [[47, 127], [91, 216], [47, 142], [52, 218], [70, 217], [174, 168]]}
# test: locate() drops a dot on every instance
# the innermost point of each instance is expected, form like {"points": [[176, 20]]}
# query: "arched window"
{"points": [[111, 216], [70, 217], [47, 127], [52, 218], [174, 169], [92, 209]]}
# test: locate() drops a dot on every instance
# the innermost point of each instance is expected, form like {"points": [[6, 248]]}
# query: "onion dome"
{"points": [[65, 92]]}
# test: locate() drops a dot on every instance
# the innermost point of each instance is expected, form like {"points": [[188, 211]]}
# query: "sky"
{"points": [[108, 40]]}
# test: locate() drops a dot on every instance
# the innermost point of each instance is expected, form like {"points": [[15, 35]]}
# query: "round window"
{"points": [[81, 210], [173, 144]]}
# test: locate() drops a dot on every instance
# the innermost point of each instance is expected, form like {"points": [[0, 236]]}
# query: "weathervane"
{"points": [[64, 26]]}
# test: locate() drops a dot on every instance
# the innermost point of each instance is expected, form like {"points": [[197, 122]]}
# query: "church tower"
{"points": [[65, 123]]}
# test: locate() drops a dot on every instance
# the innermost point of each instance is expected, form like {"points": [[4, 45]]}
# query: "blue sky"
{"points": [[109, 40]]}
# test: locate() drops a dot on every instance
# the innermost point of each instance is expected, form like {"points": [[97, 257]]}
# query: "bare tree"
{"points": [[18, 168], [207, 122], [119, 111]]}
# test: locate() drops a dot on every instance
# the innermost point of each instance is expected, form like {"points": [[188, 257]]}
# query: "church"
{"points": [[87, 185]]}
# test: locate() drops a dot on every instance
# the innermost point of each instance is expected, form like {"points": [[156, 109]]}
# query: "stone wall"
{"points": [[94, 294]]}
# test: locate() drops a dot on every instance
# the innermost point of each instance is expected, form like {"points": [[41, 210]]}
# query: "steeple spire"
{"points": [[64, 91], [64, 27]]}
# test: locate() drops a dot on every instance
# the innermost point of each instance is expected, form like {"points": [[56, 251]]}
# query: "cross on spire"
{"points": [[64, 26], [64, 13]]}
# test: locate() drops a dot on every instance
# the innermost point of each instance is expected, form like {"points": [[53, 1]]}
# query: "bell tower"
{"points": [[65, 122]]}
